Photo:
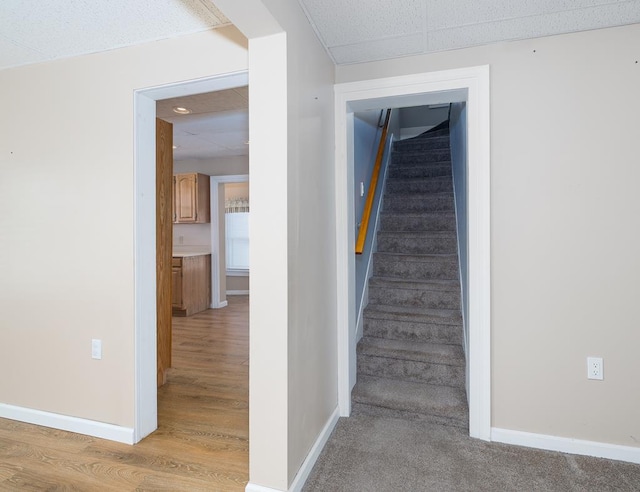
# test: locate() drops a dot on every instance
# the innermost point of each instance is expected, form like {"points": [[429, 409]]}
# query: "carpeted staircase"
{"points": [[410, 360]]}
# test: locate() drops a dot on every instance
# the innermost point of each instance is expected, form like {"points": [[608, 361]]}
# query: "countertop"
{"points": [[183, 251]]}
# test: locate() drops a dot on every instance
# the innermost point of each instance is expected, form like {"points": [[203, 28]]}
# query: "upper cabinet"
{"points": [[191, 199]]}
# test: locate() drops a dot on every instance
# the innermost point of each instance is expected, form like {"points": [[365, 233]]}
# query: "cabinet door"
{"points": [[176, 288], [186, 203]]}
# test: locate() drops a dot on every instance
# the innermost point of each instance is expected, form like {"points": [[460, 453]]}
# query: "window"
{"points": [[237, 236]]}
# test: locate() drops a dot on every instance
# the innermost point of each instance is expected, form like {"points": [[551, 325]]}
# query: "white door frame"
{"points": [[470, 84], [217, 238], [146, 395]]}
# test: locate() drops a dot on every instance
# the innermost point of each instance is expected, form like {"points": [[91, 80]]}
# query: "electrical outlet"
{"points": [[595, 368], [361, 188], [96, 349]]}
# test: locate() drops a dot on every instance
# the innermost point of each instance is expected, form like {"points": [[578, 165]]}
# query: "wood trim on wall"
{"points": [[164, 242]]}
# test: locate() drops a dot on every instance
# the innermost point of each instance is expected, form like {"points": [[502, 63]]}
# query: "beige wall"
{"points": [[237, 284], [312, 346], [293, 339], [66, 186], [564, 227]]}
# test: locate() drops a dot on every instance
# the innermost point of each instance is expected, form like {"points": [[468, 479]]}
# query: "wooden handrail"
{"points": [[368, 204]]}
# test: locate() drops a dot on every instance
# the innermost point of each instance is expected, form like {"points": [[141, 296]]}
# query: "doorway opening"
{"points": [[471, 86], [146, 419]]}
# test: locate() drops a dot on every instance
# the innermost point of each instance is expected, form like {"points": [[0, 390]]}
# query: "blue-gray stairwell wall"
{"points": [[458, 135], [366, 137]]}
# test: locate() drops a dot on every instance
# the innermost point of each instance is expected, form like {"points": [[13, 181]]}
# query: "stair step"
{"points": [[410, 370], [420, 171], [417, 222], [420, 157], [433, 202], [416, 266], [421, 143], [451, 317], [419, 185], [411, 324], [431, 294], [435, 353], [417, 243], [407, 399]]}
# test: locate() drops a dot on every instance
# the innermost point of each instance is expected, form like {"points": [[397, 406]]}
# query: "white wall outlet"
{"points": [[595, 368], [96, 349]]}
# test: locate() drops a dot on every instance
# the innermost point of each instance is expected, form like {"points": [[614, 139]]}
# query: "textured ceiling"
{"points": [[355, 31], [218, 125], [352, 31], [35, 31]]}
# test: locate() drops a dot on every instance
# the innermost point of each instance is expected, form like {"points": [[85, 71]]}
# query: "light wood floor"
{"points": [[202, 440]]}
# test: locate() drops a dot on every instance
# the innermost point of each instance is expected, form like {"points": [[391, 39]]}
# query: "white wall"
{"points": [[564, 205], [67, 239]]}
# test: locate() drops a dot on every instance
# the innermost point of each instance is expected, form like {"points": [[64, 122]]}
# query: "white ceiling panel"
{"points": [[443, 14], [12, 54], [63, 28], [340, 22], [379, 49], [535, 26], [218, 125], [357, 31]]}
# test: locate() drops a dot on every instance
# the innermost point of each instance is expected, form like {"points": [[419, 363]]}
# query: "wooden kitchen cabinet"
{"points": [[191, 284], [191, 199]]}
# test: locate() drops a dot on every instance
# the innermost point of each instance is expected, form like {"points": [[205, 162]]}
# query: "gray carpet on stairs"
{"points": [[381, 454], [410, 361]]}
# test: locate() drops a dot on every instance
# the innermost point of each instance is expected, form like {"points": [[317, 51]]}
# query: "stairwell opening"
{"points": [[391, 330], [410, 358]]}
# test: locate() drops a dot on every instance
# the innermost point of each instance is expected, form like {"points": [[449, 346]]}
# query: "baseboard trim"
{"points": [[64, 422], [259, 488], [567, 445], [237, 292], [307, 465]]}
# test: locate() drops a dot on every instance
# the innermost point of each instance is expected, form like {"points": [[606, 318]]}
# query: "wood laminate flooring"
{"points": [[202, 439]]}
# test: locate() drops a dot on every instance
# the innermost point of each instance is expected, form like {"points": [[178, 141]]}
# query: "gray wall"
{"points": [[458, 133], [418, 119], [366, 135], [366, 139]]}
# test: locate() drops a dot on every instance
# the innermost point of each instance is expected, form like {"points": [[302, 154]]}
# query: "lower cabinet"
{"points": [[191, 284]]}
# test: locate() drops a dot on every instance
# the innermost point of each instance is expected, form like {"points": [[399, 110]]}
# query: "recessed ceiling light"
{"points": [[181, 110]]}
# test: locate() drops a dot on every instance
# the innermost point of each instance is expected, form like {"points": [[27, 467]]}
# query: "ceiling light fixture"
{"points": [[181, 110]]}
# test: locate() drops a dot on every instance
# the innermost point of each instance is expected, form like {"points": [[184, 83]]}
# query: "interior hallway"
{"points": [[203, 416]]}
